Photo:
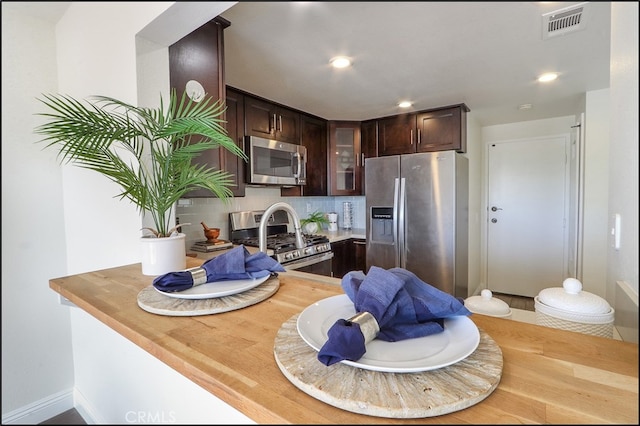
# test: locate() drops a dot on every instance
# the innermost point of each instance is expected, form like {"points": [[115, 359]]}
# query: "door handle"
{"points": [[495, 209]]}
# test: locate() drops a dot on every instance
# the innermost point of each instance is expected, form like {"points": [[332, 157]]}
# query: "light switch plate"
{"points": [[616, 231]]}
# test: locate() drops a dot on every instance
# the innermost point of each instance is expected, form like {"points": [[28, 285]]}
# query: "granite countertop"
{"points": [[344, 234]]}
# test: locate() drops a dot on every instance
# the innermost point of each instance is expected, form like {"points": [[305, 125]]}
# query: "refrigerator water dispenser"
{"points": [[382, 225]]}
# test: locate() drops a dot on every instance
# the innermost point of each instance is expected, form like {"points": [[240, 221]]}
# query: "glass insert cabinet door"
{"points": [[345, 158]]}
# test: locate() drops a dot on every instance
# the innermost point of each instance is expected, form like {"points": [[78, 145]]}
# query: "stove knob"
{"points": [[308, 250]]}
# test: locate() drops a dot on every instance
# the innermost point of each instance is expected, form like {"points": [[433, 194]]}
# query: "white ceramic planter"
{"points": [[162, 255], [311, 228]]}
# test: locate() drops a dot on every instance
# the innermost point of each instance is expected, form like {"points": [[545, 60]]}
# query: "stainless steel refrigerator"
{"points": [[417, 216]]}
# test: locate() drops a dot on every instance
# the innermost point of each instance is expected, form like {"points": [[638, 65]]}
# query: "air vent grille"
{"points": [[564, 21]]}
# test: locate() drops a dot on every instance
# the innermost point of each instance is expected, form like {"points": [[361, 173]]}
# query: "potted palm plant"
{"points": [[314, 222], [148, 152]]}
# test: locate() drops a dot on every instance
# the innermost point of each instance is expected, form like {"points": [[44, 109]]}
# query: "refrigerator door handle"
{"points": [[396, 189], [401, 226]]}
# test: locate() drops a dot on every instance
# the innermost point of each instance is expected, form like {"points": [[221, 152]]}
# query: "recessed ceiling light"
{"points": [[340, 62], [550, 76], [525, 106], [404, 104]]}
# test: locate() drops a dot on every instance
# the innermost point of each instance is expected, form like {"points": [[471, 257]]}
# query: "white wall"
{"points": [[622, 271], [475, 153], [140, 390], [37, 366], [596, 183], [90, 65]]}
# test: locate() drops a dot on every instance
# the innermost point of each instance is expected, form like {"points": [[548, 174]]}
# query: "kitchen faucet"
{"points": [[262, 232]]}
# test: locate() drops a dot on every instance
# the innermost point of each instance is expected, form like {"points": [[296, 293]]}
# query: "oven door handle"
{"points": [[311, 260]]}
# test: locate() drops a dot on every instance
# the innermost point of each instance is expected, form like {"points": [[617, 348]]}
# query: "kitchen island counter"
{"points": [[549, 375]]}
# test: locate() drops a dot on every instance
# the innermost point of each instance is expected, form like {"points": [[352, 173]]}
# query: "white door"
{"points": [[527, 204]]}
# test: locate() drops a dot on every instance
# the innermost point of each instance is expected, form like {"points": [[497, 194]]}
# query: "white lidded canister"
{"points": [[570, 308], [486, 304]]}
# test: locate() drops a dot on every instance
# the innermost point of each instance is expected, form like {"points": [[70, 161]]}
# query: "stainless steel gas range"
{"points": [[315, 257]]}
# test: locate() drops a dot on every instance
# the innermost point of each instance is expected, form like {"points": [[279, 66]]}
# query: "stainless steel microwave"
{"points": [[275, 163]]}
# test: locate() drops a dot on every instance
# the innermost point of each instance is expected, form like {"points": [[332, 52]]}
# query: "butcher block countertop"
{"points": [[549, 375]]}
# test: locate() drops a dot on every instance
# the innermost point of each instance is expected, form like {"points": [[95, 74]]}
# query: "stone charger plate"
{"points": [[155, 302], [391, 395]]}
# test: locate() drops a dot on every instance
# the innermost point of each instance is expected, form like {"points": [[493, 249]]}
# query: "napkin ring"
{"points": [[368, 325], [199, 275]]}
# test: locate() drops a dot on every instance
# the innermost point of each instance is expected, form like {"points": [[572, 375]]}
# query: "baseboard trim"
{"points": [[41, 410], [85, 409]]}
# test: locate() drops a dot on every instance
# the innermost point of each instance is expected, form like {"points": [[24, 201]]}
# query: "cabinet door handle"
{"points": [[274, 128], [280, 122], [362, 156], [360, 243], [411, 137], [419, 137]]}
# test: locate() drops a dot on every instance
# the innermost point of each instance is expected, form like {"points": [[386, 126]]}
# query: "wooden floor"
{"points": [[72, 417], [69, 417]]}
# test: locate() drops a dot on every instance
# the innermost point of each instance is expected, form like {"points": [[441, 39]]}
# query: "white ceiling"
{"points": [[485, 54]]}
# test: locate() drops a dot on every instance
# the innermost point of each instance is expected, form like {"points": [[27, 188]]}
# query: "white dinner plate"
{"points": [[216, 289], [458, 340]]}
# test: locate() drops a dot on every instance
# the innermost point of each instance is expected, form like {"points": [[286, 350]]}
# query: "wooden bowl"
{"points": [[212, 234]]}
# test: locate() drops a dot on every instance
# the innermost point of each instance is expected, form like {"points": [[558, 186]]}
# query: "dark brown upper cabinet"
{"points": [[368, 145], [271, 121], [234, 116], [368, 139], [395, 134], [314, 138], [199, 57], [430, 130]]}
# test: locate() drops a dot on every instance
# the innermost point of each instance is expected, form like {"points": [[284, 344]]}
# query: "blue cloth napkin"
{"points": [[236, 264], [404, 306]]}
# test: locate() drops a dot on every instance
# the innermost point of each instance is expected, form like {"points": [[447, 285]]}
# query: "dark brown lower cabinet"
{"points": [[359, 250], [349, 255]]}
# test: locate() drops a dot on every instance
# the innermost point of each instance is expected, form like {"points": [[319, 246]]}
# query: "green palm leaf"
{"points": [[148, 152]]}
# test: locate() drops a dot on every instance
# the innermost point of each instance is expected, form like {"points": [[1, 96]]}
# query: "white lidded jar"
{"points": [[570, 308], [486, 304]]}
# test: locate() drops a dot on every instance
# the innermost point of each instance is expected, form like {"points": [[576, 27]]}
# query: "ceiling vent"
{"points": [[564, 21]]}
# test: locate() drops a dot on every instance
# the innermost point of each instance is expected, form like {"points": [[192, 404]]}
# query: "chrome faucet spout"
{"points": [[262, 230]]}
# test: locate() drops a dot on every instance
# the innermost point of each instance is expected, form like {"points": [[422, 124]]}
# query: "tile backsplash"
{"points": [[215, 213]]}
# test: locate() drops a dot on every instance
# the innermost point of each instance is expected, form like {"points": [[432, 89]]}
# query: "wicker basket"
{"points": [[596, 325]]}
